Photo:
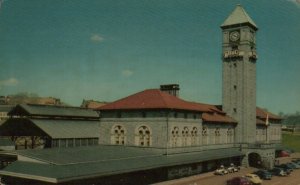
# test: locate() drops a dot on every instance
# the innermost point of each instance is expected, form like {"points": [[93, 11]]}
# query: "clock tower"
{"points": [[239, 73]]}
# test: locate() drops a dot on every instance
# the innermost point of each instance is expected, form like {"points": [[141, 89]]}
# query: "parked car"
{"points": [[253, 178], [287, 170], [286, 167], [221, 171], [283, 154], [264, 174], [296, 161], [232, 168], [238, 181], [278, 172], [294, 165]]}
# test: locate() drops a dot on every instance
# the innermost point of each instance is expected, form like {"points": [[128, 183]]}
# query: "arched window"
{"points": [[175, 136], [118, 135], [143, 136], [229, 135], [194, 136], [185, 135], [217, 136], [204, 136]]}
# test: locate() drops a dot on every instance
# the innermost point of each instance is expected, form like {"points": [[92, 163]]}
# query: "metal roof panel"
{"points": [[53, 111], [98, 161], [68, 128]]}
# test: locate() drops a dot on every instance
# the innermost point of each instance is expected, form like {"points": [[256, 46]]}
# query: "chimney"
{"points": [[172, 89]]}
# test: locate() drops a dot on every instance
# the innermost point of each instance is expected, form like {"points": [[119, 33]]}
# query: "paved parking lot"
{"points": [[211, 179]]}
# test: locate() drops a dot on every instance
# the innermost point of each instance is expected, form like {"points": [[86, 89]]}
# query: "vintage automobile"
{"points": [[221, 171], [294, 165], [238, 181], [253, 178], [278, 172], [283, 154], [232, 168], [287, 167], [296, 161], [263, 174]]}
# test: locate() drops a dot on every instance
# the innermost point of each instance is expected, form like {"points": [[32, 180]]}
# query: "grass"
{"points": [[291, 140]]}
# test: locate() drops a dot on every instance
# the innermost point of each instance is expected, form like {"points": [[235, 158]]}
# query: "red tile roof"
{"points": [[262, 114], [211, 108], [214, 117], [260, 122], [156, 99]]}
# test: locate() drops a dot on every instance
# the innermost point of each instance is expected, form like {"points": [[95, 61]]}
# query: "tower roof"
{"points": [[238, 16]]}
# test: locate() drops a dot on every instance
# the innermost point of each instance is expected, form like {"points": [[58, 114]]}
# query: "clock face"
{"points": [[234, 36]]}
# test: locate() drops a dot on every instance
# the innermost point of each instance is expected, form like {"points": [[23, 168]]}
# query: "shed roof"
{"points": [[237, 17], [68, 128], [53, 111], [92, 162], [53, 128]]}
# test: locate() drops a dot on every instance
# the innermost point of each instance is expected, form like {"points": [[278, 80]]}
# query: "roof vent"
{"points": [[172, 89]]}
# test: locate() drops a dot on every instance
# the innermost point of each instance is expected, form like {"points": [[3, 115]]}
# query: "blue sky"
{"points": [[106, 50]]}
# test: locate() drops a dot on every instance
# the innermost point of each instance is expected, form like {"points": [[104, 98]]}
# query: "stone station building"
{"points": [[152, 135]]}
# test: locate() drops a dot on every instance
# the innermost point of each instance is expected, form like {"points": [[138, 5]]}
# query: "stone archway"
{"points": [[254, 160]]}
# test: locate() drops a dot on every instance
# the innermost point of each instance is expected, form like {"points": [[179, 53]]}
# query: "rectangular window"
{"points": [[77, 142], [119, 114], [62, 143], [55, 143], [84, 142], [95, 141], [144, 114], [70, 142], [90, 141], [234, 47]]}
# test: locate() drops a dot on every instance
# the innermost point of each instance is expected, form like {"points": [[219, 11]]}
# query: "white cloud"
{"points": [[9, 82], [96, 38], [127, 72], [296, 2]]}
